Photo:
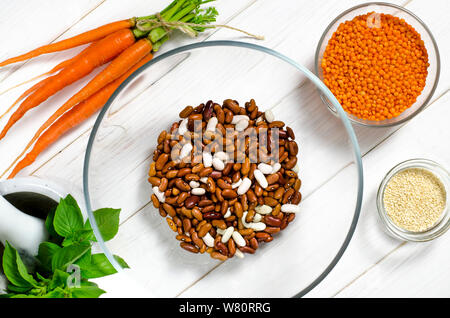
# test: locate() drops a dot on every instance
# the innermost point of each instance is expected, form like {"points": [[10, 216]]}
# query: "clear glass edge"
{"points": [[438, 66], [319, 84]]}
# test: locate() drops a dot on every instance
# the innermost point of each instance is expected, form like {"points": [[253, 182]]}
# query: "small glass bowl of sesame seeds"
{"points": [[412, 200]]}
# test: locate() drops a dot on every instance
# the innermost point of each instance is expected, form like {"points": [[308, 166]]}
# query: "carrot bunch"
{"points": [[125, 45]]}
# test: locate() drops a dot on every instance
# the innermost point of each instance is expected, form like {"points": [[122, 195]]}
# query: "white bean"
{"points": [[290, 208], [227, 234], [259, 119], [263, 209], [241, 125], [208, 239], [227, 214], [269, 116], [194, 184], [276, 166], [204, 179], [183, 127], [207, 159], [186, 150], [237, 118], [257, 217], [265, 168], [258, 226], [198, 191], [239, 254], [218, 164], [220, 231], [160, 195], [244, 215], [259, 176], [244, 186], [237, 184], [296, 169], [212, 123], [237, 237], [221, 155]]}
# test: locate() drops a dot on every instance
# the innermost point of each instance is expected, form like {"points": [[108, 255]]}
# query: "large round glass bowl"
{"points": [[430, 45], [125, 135]]}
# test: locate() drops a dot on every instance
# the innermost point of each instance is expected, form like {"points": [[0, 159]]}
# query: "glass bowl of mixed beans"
{"points": [[229, 174], [380, 61]]}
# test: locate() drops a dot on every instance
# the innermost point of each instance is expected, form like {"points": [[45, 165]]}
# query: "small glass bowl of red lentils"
{"points": [[380, 61]]}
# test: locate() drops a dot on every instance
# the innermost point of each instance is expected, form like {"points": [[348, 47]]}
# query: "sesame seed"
{"points": [[414, 199]]}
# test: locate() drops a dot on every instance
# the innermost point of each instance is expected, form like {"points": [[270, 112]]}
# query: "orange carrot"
{"points": [[80, 39], [98, 54], [72, 118], [117, 68]]}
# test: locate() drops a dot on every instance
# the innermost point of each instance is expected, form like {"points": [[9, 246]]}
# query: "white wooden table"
{"points": [[374, 264]]}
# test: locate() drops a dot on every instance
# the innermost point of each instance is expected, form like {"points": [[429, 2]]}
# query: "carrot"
{"points": [[72, 118], [98, 54], [116, 69], [80, 39]]}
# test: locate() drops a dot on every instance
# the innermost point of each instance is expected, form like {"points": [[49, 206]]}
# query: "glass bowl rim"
{"points": [[430, 234], [227, 43], [433, 40]]}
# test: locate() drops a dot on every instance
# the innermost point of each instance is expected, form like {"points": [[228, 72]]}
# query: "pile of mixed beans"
{"points": [[225, 178]]}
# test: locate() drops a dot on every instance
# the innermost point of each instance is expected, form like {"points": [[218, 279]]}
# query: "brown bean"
{"points": [[205, 172], [186, 212], [231, 248], [296, 198], [254, 243], [182, 197], [247, 249], [152, 171], [297, 184], [208, 111], [155, 181], [221, 247], [197, 168], [229, 194], [258, 190], [184, 171], [217, 255], [183, 186], [238, 209], [287, 195], [276, 124], [272, 221], [215, 174], [172, 225], [204, 229], [232, 105], [169, 209], [191, 201], [290, 132], [197, 241], [184, 238], [204, 202], [224, 207], [291, 163], [162, 160], [208, 208], [163, 184], [186, 111], [222, 184], [270, 201], [246, 232], [272, 178], [210, 185], [219, 113], [212, 215], [186, 225], [197, 214], [251, 196], [191, 177], [219, 223], [189, 247], [245, 167], [262, 235], [155, 201]]}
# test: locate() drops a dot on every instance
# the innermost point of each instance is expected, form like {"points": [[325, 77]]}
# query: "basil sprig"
{"points": [[68, 251]]}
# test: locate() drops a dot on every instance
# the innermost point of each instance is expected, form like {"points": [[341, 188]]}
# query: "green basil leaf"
{"points": [[69, 255], [68, 218], [58, 292], [77, 237], [45, 254], [19, 290], [100, 266], [59, 279], [14, 268], [107, 221], [86, 292]]}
